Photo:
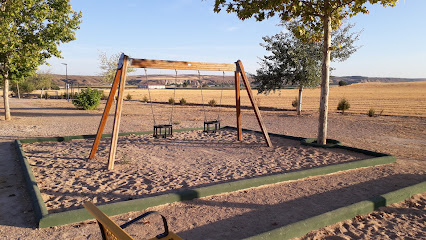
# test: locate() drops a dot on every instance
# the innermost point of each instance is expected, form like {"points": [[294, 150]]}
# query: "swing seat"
{"points": [[163, 130], [215, 128]]}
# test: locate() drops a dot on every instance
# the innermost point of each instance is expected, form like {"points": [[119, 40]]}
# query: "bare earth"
{"points": [[148, 166], [227, 216]]}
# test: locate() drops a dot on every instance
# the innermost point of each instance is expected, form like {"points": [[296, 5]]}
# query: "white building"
{"points": [[152, 86]]}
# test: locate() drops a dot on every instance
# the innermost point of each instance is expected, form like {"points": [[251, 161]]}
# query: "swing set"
{"points": [[119, 83], [168, 128]]}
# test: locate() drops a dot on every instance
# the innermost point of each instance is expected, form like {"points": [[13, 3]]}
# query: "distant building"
{"points": [[152, 86]]}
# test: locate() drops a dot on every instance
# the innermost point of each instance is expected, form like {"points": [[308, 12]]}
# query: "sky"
{"points": [[393, 40]]}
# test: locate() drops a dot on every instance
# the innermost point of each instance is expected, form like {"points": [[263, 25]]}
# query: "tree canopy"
{"points": [[291, 62], [318, 19], [31, 32], [309, 12], [295, 62], [108, 65]]}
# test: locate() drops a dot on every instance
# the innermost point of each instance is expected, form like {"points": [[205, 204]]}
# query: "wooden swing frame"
{"points": [[119, 83]]}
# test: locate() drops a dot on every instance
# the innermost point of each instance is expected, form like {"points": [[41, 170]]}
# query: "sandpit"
{"points": [[146, 166]]}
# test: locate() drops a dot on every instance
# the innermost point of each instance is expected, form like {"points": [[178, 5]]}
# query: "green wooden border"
{"points": [[55, 219], [299, 229], [331, 143]]}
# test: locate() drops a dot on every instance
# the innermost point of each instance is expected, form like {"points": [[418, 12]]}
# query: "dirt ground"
{"points": [[244, 213], [180, 162]]}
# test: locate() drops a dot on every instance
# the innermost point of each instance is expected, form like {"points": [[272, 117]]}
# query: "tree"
{"points": [[317, 18], [343, 105], [292, 62], [342, 83], [295, 62], [108, 65], [30, 34], [41, 80]]}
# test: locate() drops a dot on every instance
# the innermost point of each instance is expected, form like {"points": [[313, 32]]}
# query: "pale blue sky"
{"points": [[393, 41]]}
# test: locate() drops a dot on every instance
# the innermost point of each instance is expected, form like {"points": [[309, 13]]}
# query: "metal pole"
{"points": [[66, 81]]}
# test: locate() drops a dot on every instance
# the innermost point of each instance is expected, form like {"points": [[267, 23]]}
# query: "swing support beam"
{"points": [[119, 83]]}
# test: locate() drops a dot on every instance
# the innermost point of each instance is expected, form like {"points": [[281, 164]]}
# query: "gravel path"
{"points": [[226, 216]]}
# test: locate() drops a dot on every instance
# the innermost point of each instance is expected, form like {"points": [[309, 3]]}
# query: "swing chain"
{"points": [[173, 102], [202, 96], [149, 94], [221, 95]]}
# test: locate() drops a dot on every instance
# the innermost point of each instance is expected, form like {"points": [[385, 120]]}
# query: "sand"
{"points": [[244, 213], [148, 166], [398, 221]]}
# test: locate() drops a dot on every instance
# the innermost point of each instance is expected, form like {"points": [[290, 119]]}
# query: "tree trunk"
{"points": [[17, 88], [299, 104], [325, 79], [6, 97]]}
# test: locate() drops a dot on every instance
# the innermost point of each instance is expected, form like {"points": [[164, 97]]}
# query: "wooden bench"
{"points": [[110, 230]]}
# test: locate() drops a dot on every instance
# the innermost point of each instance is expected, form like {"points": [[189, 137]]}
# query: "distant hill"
{"points": [[141, 79], [362, 79], [206, 79], [77, 79]]}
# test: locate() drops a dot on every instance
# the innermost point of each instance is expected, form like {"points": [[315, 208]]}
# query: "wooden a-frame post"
{"points": [[120, 80], [238, 105], [117, 117], [108, 105], [246, 82]]}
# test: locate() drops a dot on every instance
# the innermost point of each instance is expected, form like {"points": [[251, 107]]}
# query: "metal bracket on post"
{"points": [[120, 61], [237, 66]]}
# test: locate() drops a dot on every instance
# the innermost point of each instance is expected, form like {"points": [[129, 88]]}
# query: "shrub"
{"points": [[129, 97], [182, 101], [371, 112], [145, 98], [212, 103], [342, 83], [343, 105], [54, 86], [295, 102], [171, 100], [24, 87], [88, 99]]}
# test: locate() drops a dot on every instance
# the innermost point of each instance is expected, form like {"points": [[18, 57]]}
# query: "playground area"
{"points": [[146, 166], [243, 213]]}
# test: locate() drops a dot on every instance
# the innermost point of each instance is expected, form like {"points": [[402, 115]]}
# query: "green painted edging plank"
{"points": [[56, 219], [299, 229], [40, 209], [331, 143], [367, 152]]}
